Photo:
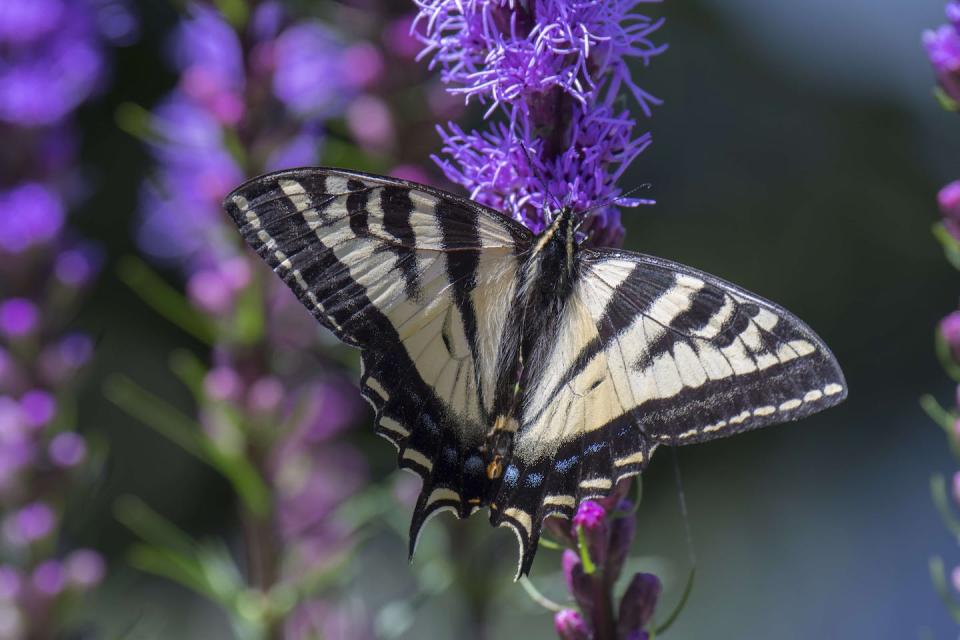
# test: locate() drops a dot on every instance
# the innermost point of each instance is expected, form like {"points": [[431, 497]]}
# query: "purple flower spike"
{"points": [[18, 317], [554, 70], [579, 584], [638, 604], [67, 449], [590, 515], [943, 49], [570, 625]]}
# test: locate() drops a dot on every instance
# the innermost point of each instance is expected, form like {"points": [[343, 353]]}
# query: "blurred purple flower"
{"points": [[223, 384], [11, 583], [399, 39], [38, 408], [84, 569], [44, 78], [18, 317], [302, 150], [943, 49], [77, 266], [48, 578], [32, 213], [33, 522], [308, 74], [370, 123], [67, 449]]}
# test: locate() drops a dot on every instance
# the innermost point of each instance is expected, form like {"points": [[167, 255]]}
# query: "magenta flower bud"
{"points": [[579, 584], [638, 604], [48, 578], [265, 395], [67, 449], [570, 625], [84, 569], [18, 317], [943, 49], [948, 200], [622, 529], [38, 408], [209, 292], [590, 515], [950, 330], [223, 383]]}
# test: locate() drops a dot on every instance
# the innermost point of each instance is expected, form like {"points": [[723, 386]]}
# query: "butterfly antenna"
{"points": [[606, 203], [691, 553]]}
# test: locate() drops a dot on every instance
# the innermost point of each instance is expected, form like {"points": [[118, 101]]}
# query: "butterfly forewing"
{"points": [[416, 279]]}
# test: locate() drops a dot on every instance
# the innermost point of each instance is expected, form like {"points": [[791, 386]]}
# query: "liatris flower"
{"points": [[53, 57], [555, 70], [943, 48], [598, 541]]}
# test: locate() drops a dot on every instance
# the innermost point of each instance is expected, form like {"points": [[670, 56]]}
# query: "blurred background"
{"points": [[798, 153]]}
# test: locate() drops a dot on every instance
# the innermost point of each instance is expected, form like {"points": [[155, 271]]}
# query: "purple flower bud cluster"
{"points": [[597, 542], [54, 56], [555, 70], [943, 48]]}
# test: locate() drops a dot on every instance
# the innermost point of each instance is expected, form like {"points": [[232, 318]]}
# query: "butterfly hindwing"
{"points": [[415, 278], [658, 353]]}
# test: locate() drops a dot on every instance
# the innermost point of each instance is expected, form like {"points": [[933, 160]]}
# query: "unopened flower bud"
{"points": [[638, 604], [579, 584], [570, 625]]}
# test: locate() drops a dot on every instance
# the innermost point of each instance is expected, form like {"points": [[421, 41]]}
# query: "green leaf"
{"points": [[941, 498], [185, 432], [163, 298], [687, 590], [937, 413], [150, 526], [945, 101], [136, 121], [938, 576], [945, 356], [951, 248], [172, 565], [236, 12], [190, 370]]}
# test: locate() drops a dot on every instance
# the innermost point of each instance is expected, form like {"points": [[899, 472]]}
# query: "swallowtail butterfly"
{"points": [[519, 372]]}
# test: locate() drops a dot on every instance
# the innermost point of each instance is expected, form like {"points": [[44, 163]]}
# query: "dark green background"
{"points": [[798, 153]]}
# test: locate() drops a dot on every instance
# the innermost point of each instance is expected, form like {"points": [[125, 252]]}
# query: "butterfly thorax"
{"points": [[547, 282]]}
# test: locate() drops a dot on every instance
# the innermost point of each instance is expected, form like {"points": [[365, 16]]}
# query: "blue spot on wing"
{"points": [[596, 447], [510, 476], [473, 465], [564, 465], [533, 480]]}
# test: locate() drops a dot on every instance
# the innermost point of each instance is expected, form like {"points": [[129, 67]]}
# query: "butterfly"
{"points": [[517, 372]]}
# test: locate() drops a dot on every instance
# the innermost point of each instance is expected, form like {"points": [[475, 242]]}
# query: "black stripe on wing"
{"points": [[322, 230]]}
